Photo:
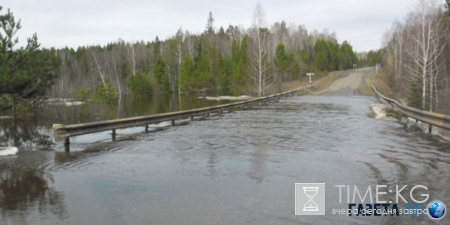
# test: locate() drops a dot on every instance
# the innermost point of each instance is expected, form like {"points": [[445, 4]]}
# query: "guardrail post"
{"points": [[173, 122], [146, 127], [430, 129], [113, 134], [67, 142], [192, 118]]}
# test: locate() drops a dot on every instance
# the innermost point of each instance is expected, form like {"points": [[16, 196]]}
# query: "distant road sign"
{"points": [[377, 67], [310, 74]]}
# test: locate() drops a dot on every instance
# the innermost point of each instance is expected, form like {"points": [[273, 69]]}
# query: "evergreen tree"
{"points": [[347, 56], [415, 95], [25, 73], [239, 62], [141, 85], [214, 65], [333, 55], [210, 24], [187, 74], [282, 61], [321, 55], [161, 76]]}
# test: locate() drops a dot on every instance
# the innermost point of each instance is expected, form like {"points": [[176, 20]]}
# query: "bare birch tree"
{"points": [[132, 56], [394, 40], [99, 68], [260, 51], [426, 47]]}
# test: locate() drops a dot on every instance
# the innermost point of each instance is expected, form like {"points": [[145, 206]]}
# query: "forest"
{"points": [[227, 61], [416, 56]]}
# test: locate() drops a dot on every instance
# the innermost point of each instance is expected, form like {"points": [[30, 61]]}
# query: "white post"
{"points": [[309, 75], [377, 67]]}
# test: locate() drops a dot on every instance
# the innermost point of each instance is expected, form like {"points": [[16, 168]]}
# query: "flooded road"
{"points": [[239, 168]]}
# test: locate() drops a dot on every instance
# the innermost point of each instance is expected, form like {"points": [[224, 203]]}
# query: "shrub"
{"points": [[141, 85]]}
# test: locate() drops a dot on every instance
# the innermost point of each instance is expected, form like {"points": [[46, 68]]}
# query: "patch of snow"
{"points": [[63, 101], [6, 151], [75, 103], [231, 98], [60, 100]]}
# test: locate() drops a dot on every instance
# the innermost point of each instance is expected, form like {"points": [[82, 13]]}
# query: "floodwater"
{"points": [[238, 168]]}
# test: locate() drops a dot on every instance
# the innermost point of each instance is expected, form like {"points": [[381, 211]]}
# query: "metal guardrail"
{"points": [[63, 132], [431, 118]]}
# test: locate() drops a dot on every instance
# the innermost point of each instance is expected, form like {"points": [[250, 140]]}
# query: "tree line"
{"points": [[229, 61], [416, 55]]}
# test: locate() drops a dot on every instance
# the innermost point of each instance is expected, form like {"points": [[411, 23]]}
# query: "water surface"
{"points": [[239, 168]]}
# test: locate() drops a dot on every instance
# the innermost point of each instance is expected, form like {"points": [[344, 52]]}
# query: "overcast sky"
{"points": [[73, 23]]}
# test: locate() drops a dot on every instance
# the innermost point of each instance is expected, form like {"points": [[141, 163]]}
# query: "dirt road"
{"points": [[351, 82]]}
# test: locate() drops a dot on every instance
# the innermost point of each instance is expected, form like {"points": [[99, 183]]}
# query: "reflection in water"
{"points": [[35, 131], [26, 192], [239, 168], [25, 185], [25, 136]]}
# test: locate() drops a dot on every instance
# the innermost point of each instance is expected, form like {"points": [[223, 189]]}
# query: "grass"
{"points": [[324, 80], [286, 86], [381, 82], [327, 80]]}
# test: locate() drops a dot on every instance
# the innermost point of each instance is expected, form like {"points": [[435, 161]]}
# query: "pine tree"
{"points": [[186, 74], [321, 57], [161, 76], [282, 61], [26, 73]]}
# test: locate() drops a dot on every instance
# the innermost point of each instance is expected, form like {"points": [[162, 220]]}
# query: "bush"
{"points": [[83, 94], [415, 96], [105, 93], [141, 85]]}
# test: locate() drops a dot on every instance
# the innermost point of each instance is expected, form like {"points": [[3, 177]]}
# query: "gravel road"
{"points": [[351, 82]]}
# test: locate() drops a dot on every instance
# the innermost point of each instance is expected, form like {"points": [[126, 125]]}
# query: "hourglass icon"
{"points": [[310, 204]]}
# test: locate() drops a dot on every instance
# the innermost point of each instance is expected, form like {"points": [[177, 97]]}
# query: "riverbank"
{"points": [[381, 81]]}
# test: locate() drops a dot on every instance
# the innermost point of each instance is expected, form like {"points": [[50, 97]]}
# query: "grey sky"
{"points": [[73, 23]]}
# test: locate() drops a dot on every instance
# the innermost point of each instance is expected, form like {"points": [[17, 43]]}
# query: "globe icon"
{"points": [[436, 210]]}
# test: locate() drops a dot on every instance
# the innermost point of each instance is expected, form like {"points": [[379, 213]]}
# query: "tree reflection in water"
{"points": [[26, 191], [26, 136]]}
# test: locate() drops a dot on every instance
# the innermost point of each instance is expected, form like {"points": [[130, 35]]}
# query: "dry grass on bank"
{"points": [[321, 82], [286, 86], [381, 82], [327, 80]]}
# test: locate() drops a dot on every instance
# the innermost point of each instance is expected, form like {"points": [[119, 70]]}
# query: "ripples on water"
{"points": [[239, 168]]}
